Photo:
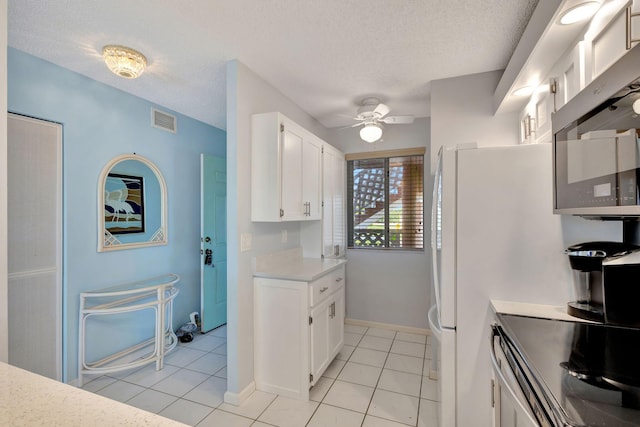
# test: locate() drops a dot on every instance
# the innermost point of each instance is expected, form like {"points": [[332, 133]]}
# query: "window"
{"points": [[385, 191]]}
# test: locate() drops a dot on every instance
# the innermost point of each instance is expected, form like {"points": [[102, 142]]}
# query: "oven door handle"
{"points": [[503, 381]]}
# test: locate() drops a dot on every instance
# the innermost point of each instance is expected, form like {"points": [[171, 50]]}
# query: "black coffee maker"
{"points": [[586, 261]]}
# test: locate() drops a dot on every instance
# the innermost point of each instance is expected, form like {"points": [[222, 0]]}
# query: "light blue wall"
{"points": [[99, 123]]}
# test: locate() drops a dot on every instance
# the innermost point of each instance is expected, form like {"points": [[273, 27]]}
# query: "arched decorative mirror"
{"points": [[132, 204]]}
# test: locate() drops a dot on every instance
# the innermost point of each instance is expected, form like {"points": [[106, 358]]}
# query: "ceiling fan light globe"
{"points": [[371, 132]]}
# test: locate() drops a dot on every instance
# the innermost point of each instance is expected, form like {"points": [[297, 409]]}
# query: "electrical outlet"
{"points": [[284, 236], [245, 242]]}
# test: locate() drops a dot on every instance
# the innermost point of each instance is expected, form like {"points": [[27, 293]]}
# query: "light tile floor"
{"points": [[379, 379]]}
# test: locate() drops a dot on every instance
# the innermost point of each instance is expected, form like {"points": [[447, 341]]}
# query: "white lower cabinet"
{"points": [[298, 331]]}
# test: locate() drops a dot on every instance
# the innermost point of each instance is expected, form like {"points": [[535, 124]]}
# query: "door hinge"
{"points": [[310, 320], [281, 127], [310, 378]]}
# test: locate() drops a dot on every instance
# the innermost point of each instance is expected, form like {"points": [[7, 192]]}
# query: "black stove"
{"points": [[587, 373]]}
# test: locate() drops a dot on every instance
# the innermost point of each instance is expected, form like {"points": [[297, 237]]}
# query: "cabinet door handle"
{"points": [[324, 289], [629, 28], [339, 279]]}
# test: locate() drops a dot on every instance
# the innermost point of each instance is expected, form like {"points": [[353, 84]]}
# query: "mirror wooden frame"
{"points": [[110, 242]]}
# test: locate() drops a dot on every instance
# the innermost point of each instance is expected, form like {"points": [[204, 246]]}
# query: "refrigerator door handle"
{"points": [[434, 224], [434, 323]]}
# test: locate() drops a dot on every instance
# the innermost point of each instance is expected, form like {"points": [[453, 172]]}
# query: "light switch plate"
{"points": [[245, 242]]}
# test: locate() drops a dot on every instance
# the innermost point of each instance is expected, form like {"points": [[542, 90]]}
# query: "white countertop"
{"points": [[290, 265], [28, 399], [555, 312]]}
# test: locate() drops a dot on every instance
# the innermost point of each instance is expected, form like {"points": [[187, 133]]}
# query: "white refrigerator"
{"points": [[494, 236]]}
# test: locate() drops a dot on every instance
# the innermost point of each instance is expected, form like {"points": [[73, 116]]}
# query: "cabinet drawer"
{"points": [[326, 285], [337, 278], [320, 289]]}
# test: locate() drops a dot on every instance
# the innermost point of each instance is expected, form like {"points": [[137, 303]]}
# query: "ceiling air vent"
{"points": [[165, 121]]}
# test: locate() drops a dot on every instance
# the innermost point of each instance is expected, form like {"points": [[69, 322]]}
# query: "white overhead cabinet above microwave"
{"points": [[286, 175]]}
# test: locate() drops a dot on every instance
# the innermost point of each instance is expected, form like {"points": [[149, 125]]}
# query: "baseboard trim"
{"points": [[238, 399], [401, 328]]}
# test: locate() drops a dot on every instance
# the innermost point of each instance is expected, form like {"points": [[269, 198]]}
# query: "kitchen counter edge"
{"points": [[29, 399], [302, 269]]}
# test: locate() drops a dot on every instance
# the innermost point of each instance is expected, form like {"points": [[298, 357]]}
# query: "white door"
{"points": [[333, 190], [336, 334], [292, 203], [311, 176], [319, 338], [35, 245]]}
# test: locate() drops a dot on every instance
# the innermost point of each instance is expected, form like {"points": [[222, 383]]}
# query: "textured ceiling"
{"points": [[324, 55]]}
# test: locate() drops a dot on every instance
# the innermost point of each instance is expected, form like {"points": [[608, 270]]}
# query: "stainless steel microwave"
{"points": [[596, 146]]}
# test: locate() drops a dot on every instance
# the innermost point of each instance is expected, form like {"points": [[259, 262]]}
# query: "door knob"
{"points": [[207, 239]]}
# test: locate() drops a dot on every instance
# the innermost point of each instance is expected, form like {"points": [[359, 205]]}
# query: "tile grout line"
{"points": [[336, 379], [378, 381]]}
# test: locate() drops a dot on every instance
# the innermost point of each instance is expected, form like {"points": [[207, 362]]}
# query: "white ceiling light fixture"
{"points": [[124, 61], [579, 12], [371, 115], [371, 132]]}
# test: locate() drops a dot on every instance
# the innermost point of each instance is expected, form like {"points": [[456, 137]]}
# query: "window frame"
{"points": [[386, 156]]}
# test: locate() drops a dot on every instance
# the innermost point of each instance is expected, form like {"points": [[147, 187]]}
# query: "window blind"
{"points": [[386, 202]]}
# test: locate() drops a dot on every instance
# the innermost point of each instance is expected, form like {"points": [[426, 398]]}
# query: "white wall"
{"points": [[384, 285], [4, 328], [462, 111], [248, 94]]}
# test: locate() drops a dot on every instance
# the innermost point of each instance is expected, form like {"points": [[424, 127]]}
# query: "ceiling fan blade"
{"points": [[398, 119], [350, 126], [381, 110]]}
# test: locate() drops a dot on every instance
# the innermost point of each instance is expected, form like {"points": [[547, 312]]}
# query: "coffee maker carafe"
{"points": [[586, 261]]}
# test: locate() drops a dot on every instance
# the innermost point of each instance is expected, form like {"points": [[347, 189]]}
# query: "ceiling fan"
{"points": [[371, 115]]}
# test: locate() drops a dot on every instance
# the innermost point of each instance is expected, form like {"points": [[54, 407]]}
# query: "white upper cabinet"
{"points": [[570, 72], [607, 40], [334, 203], [285, 170], [603, 41]]}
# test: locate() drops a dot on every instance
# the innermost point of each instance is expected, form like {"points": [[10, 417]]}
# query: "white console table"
{"points": [[155, 294]]}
